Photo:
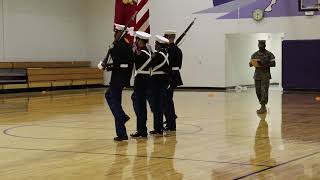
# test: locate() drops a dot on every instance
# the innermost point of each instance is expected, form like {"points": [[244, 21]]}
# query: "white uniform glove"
{"points": [[131, 31], [100, 65]]}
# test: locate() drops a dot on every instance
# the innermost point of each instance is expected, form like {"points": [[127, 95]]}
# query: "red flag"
{"points": [[124, 10]]}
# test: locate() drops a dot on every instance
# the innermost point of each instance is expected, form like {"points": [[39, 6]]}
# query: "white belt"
{"points": [[175, 68], [157, 73], [142, 72], [124, 65]]}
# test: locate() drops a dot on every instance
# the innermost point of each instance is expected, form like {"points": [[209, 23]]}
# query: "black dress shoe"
{"points": [[126, 118], [156, 132], [120, 138], [169, 129], [137, 134]]}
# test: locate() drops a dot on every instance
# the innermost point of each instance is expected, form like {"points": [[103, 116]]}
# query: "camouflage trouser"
{"points": [[262, 90]]}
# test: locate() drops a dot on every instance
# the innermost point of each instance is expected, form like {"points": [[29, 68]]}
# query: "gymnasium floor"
{"points": [[68, 135]]}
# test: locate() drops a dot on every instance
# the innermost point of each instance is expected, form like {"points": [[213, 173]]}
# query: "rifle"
{"points": [[123, 32], [185, 32]]}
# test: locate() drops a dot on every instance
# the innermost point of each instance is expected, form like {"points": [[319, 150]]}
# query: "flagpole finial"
{"points": [[131, 2]]}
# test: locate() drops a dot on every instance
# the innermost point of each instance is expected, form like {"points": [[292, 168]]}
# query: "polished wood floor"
{"points": [[68, 135]]}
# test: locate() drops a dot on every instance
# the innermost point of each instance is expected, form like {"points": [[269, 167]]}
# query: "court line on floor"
{"points": [[278, 165], [196, 132], [7, 132], [129, 155], [268, 167]]}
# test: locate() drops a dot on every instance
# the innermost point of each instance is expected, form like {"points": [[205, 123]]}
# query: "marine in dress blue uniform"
{"points": [[159, 82], [121, 67], [175, 64], [142, 59]]}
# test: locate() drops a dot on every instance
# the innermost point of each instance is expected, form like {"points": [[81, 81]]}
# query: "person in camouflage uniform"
{"points": [[265, 60]]}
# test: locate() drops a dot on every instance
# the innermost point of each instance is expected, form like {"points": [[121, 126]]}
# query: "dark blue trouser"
{"points": [[158, 91], [114, 98], [139, 99], [148, 98], [169, 110]]}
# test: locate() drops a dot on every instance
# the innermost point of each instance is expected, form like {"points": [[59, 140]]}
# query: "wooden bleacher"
{"points": [[66, 64], [21, 75]]}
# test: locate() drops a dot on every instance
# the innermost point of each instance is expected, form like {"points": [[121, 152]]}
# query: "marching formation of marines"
{"points": [[156, 75]]}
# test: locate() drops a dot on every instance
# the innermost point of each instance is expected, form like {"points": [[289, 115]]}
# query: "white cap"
{"points": [[119, 27], [142, 35], [170, 32], [162, 39]]}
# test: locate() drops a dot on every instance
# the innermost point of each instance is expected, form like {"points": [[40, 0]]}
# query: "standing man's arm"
{"points": [[179, 58], [250, 63], [272, 60]]}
